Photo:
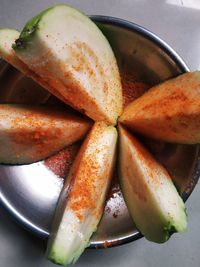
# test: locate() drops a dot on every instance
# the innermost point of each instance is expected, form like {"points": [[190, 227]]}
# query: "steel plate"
{"points": [[30, 192]]}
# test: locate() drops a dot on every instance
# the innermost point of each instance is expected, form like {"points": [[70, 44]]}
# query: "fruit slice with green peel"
{"points": [[31, 133], [150, 195], [7, 38], [67, 50], [169, 111], [82, 200]]}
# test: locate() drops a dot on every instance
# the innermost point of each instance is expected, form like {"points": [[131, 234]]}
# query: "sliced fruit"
{"points": [[82, 200], [150, 195], [67, 50], [169, 111], [7, 38], [31, 133], [15, 87]]}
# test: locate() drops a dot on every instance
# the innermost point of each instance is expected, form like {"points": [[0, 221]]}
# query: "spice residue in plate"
{"points": [[61, 162], [132, 88]]}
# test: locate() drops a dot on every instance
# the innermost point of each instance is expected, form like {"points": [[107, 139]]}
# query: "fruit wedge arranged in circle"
{"points": [[169, 111], [31, 133], [82, 199], [67, 50], [7, 38], [150, 195]]}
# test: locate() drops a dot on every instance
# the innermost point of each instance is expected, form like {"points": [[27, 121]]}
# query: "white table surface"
{"points": [[178, 23]]}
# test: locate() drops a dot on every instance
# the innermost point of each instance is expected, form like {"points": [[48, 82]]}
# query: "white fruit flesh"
{"points": [[150, 195], [31, 133], [7, 39], [66, 49], [82, 200], [169, 111]]}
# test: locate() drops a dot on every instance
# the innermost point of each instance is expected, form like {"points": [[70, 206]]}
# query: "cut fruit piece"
{"points": [[169, 111], [150, 195], [67, 50], [82, 200], [15, 87], [7, 38], [31, 133]]}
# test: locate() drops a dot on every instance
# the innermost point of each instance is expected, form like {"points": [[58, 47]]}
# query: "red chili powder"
{"points": [[132, 88], [61, 162]]}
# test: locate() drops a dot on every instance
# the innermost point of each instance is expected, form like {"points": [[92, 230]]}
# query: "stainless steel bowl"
{"points": [[30, 192]]}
